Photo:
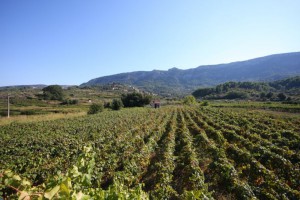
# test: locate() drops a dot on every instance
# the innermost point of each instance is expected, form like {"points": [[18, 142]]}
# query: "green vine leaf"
{"points": [[50, 194]]}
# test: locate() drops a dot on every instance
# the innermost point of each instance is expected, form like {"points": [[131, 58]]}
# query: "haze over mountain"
{"points": [[268, 68]]}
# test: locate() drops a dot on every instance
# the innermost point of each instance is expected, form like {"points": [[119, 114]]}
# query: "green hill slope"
{"points": [[172, 81], [286, 89]]}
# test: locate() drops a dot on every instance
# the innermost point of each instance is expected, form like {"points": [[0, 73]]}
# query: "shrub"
{"points": [[70, 102], [189, 100], [53, 92], [28, 112], [107, 105], [269, 95], [95, 108], [281, 96], [204, 103], [116, 104], [262, 95], [236, 95], [74, 101]]}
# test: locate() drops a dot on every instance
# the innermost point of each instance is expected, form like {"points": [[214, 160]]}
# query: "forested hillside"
{"points": [[286, 89]]}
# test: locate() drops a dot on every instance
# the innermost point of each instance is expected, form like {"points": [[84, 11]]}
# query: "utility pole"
{"points": [[8, 106]]}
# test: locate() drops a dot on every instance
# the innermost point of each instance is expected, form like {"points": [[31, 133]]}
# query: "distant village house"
{"points": [[156, 103]]}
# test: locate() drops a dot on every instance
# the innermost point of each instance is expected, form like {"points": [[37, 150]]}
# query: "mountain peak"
{"points": [[174, 69]]}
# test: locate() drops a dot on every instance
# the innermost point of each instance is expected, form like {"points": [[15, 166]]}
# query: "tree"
{"points": [[269, 95], [116, 104], [95, 108], [189, 100], [262, 95], [281, 96], [53, 92], [135, 99], [202, 92], [236, 95]]}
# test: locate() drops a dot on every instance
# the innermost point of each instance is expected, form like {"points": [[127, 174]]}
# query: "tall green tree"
{"points": [[53, 92]]}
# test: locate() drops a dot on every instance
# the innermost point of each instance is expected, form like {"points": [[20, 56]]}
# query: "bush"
{"points": [[28, 112], [270, 95], [262, 95], [107, 105], [116, 104], [135, 99], [53, 92], [189, 100], [236, 95], [70, 102], [204, 103], [95, 108], [281, 96]]}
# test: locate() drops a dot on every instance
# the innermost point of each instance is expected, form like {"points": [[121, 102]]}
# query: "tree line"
{"points": [[258, 90]]}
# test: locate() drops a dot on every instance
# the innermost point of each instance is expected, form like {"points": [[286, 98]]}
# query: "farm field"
{"points": [[175, 152]]}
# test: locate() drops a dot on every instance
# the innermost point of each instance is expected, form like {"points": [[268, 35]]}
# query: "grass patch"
{"points": [[37, 118]]}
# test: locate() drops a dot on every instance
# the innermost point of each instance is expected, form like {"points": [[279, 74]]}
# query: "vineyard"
{"points": [[174, 152]]}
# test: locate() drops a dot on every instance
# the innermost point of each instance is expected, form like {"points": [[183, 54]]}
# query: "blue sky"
{"points": [[72, 41]]}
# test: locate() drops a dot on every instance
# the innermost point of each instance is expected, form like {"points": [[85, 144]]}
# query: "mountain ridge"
{"points": [[174, 80]]}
